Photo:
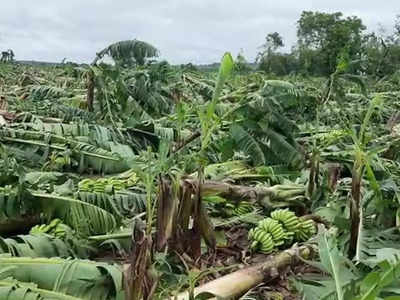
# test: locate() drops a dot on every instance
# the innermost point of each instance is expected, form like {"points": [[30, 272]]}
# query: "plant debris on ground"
{"points": [[143, 180]]}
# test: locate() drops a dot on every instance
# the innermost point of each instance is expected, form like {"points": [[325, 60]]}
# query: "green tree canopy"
{"points": [[323, 36], [397, 27], [273, 41], [241, 64], [269, 59]]}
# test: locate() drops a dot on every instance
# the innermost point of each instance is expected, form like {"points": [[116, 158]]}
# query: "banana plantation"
{"points": [[130, 178]]}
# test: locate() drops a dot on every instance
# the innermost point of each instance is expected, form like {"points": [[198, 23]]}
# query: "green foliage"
{"points": [[322, 38], [246, 143], [129, 52], [122, 203], [55, 277], [40, 92], [241, 64], [44, 245], [260, 140], [79, 146], [266, 135], [336, 267], [344, 281], [207, 117], [11, 289], [271, 61], [84, 216], [325, 35]]}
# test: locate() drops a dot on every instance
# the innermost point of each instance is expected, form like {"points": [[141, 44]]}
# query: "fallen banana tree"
{"points": [[237, 283], [277, 195]]}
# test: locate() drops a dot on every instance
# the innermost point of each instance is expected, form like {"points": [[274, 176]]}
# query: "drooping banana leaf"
{"points": [[280, 146], [338, 269], [82, 216], [87, 155], [280, 87], [122, 203], [43, 245], [128, 52], [11, 289], [40, 92], [102, 135], [79, 278], [247, 144], [373, 240], [37, 177]]}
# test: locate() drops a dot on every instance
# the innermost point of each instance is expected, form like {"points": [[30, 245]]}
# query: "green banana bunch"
{"points": [[8, 189], [262, 240], [306, 230], [275, 229], [228, 209], [332, 135], [283, 227], [287, 218], [103, 185], [55, 228], [107, 185], [242, 208], [131, 181]]}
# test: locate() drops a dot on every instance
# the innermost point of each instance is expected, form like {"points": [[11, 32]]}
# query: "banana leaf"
{"points": [[79, 278]]}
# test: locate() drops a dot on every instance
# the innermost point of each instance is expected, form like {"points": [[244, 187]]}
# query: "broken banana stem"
{"points": [[243, 193], [239, 282], [206, 228]]}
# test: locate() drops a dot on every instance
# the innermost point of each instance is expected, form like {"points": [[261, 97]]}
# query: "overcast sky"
{"points": [[198, 31]]}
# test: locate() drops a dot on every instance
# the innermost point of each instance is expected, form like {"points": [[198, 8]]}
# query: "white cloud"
{"points": [[184, 30]]}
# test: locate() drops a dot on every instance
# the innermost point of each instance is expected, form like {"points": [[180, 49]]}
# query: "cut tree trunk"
{"points": [[237, 283]]}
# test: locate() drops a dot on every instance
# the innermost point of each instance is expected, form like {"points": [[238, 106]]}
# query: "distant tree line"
{"points": [[323, 39]]}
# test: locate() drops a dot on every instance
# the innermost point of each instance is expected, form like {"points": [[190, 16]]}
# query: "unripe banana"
{"points": [[106, 185], [282, 228]]}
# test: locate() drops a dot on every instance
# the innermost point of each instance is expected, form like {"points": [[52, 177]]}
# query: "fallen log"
{"points": [[237, 283]]}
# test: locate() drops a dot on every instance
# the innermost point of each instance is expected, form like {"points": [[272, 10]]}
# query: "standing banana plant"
{"points": [[124, 53], [209, 124], [361, 164], [140, 278]]}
